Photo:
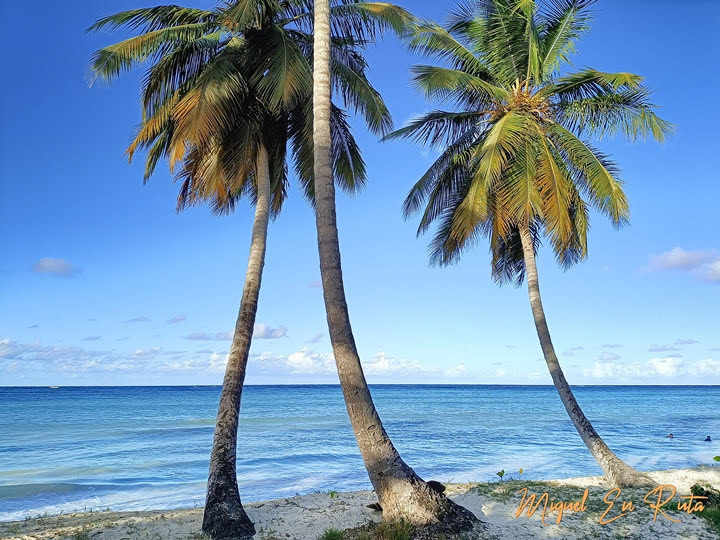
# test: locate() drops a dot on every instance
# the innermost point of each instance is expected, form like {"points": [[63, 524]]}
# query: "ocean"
{"points": [[140, 448]]}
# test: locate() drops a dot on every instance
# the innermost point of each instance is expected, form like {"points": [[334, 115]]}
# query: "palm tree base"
{"points": [[420, 505], [225, 518], [619, 474]]}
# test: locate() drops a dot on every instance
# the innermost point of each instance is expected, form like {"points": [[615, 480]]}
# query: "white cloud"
{"points": [[141, 318], [34, 357], [705, 367], [304, 361], [204, 336], [704, 264], [686, 341], [607, 356], [176, 319], [263, 331], [315, 338], [666, 367], [711, 272], [380, 366], [661, 348], [146, 354], [56, 267]]}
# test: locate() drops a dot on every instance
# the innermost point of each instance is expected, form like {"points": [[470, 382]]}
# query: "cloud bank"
{"points": [[703, 264], [56, 267]]}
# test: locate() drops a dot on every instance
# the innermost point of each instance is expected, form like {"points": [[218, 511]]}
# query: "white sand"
{"points": [[307, 517]]}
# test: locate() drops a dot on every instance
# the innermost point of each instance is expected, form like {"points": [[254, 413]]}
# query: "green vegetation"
{"points": [[387, 530], [333, 534], [712, 504]]}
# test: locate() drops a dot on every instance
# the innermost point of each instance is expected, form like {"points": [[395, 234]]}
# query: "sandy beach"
{"points": [[308, 517]]}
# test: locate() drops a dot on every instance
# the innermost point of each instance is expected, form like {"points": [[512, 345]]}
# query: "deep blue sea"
{"points": [[137, 448]]}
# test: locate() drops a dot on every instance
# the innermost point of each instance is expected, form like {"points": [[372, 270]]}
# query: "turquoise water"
{"points": [[136, 448]]}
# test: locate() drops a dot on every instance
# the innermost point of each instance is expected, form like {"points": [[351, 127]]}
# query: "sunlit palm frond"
{"points": [[283, 73], [457, 86], [360, 96], [439, 127], [564, 21], [597, 176], [590, 83], [150, 19], [432, 40], [628, 112], [111, 61]]}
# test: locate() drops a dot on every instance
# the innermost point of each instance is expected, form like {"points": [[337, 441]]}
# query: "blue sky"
{"points": [[102, 283]]}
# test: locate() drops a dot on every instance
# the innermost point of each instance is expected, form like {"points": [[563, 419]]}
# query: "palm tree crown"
{"points": [[222, 81], [515, 150]]}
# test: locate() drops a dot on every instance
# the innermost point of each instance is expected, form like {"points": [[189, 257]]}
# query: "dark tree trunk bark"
{"points": [[616, 470], [402, 494], [225, 517]]}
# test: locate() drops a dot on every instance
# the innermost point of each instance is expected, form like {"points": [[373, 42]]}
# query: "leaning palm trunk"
{"points": [[402, 494], [616, 470], [224, 516]]}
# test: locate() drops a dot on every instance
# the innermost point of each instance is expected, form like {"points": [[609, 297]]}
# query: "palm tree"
{"points": [[204, 105], [516, 166], [402, 494]]}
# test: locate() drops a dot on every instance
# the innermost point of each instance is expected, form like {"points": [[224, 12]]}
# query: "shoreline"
{"points": [[308, 517]]}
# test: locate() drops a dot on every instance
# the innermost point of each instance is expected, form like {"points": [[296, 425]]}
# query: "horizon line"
{"points": [[334, 384]]}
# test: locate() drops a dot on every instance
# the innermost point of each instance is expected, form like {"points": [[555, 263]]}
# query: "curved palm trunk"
{"points": [[616, 470], [401, 493], [224, 516]]}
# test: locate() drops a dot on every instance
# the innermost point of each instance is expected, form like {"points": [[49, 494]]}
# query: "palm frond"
{"points": [[111, 61], [458, 86], [432, 40], [439, 127], [589, 83], [627, 111], [597, 175], [283, 74], [359, 95], [154, 18], [564, 21]]}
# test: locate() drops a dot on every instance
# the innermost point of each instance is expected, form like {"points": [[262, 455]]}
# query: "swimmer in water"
{"points": [[708, 439], [671, 436]]}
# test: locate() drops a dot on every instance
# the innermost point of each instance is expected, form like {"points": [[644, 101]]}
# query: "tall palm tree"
{"points": [[205, 105], [515, 165], [402, 494]]}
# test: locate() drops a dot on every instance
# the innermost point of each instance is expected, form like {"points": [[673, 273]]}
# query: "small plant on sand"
{"points": [[712, 505], [501, 474], [333, 534], [393, 530], [333, 494], [13, 528], [717, 458], [269, 534]]}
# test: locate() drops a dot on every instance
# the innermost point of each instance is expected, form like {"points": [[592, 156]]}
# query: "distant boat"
{"points": [[54, 387]]}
